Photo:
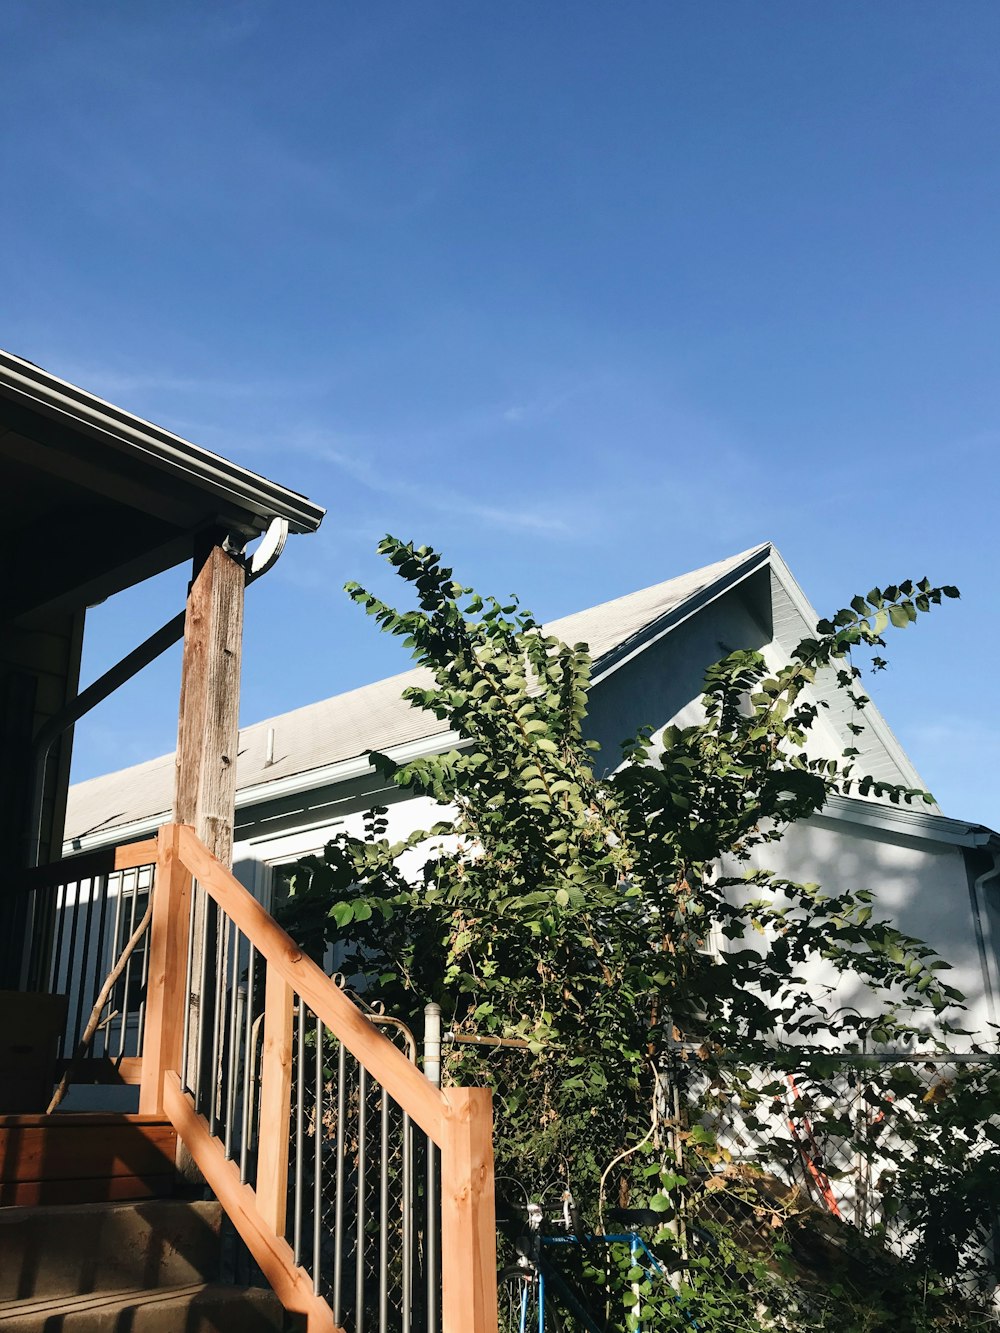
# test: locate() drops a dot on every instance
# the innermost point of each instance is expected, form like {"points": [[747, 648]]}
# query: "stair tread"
{"points": [[76, 1249], [130, 1299]]}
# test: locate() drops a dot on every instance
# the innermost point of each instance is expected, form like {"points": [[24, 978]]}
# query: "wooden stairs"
{"points": [[149, 1266]]}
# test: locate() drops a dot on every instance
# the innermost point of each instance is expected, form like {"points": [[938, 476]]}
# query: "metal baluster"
{"points": [[383, 1216], [99, 953], [221, 950], [241, 1013], [338, 1208], [431, 1239], [74, 930], [247, 1068], [359, 1271], [60, 897], [200, 1008], [232, 967], [407, 1275], [126, 978], [115, 934], [82, 991], [299, 1126], [318, 1162], [189, 977], [144, 982]]}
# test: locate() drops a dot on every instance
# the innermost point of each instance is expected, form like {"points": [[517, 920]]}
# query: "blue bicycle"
{"points": [[536, 1295]]}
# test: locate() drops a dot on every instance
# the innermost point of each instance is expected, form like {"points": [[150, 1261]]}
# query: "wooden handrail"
{"points": [[459, 1120], [104, 861], [424, 1103]]}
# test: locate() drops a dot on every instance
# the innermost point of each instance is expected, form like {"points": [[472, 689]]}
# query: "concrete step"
{"points": [[76, 1249], [191, 1308]]}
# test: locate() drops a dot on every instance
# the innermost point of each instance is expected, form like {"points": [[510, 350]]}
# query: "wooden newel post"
{"points": [[468, 1214], [163, 1035]]}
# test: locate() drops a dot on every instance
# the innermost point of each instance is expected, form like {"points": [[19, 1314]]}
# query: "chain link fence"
{"points": [[866, 1142]]}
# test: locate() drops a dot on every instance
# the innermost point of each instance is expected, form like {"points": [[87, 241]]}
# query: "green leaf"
{"points": [[342, 913]]}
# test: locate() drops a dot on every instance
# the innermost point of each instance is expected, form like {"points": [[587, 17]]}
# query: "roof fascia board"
{"points": [[872, 716], [616, 658], [59, 400], [909, 822]]}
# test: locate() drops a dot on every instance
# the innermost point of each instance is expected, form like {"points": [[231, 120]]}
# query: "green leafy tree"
{"points": [[569, 907]]}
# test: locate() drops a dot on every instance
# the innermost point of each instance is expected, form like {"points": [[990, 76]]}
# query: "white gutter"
{"points": [[984, 935], [296, 784]]}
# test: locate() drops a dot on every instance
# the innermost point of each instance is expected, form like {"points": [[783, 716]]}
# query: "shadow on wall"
{"points": [[921, 887]]}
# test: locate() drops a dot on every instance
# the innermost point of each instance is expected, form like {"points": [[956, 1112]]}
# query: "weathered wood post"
{"points": [[207, 738], [208, 719]]}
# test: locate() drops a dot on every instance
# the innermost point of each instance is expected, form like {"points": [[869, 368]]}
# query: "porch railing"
{"points": [[64, 927], [310, 1126]]}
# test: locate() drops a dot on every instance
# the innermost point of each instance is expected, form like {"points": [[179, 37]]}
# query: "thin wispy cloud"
{"points": [[443, 500]]}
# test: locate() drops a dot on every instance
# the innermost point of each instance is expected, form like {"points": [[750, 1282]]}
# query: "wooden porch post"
{"points": [[468, 1215], [208, 720], [207, 739], [163, 1033]]}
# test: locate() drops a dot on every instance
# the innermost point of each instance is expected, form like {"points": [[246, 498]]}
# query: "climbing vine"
{"points": [[565, 900]]}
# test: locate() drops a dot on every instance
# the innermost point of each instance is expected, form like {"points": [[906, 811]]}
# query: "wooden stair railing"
{"points": [[458, 1120]]}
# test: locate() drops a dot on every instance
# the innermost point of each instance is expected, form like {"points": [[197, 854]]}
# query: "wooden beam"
{"points": [[468, 1214], [208, 720]]}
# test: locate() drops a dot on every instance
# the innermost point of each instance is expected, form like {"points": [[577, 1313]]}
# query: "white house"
{"points": [[304, 774]]}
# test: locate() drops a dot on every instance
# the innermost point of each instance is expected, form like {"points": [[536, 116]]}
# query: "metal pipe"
{"points": [[432, 1043], [432, 1072]]}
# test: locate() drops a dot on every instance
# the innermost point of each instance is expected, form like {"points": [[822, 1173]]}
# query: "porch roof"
{"points": [[98, 499]]}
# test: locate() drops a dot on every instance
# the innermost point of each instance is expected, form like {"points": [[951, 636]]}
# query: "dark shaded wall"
{"points": [[652, 688]]}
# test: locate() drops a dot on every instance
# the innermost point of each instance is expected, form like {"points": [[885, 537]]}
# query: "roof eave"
{"points": [[910, 821], [258, 497], [615, 658]]}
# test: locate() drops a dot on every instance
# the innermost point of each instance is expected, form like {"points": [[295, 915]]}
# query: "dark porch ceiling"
{"points": [[96, 500]]}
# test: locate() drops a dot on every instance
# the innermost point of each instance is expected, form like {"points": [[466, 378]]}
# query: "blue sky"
{"points": [[584, 294]]}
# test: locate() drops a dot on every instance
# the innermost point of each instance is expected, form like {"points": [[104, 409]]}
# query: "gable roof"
{"points": [[373, 717], [330, 740]]}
